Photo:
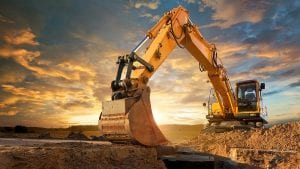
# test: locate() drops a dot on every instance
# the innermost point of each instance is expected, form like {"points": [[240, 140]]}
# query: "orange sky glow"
{"points": [[57, 59]]}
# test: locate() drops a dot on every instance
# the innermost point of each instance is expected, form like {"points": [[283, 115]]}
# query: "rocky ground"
{"points": [[79, 155], [276, 147], [283, 141]]}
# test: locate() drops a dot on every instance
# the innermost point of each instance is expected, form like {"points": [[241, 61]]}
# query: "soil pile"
{"points": [[77, 136], [45, 135], [79, 155], [281, 137]]}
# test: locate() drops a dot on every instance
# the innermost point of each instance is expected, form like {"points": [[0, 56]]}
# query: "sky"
{"points": [[57, 57]]}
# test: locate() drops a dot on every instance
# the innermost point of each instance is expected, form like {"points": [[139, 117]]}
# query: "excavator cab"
{"points": [[249, 101], [249, 109], [248, 96]]}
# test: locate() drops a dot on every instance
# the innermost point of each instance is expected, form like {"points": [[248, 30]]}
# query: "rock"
{"points": [[45, 136], [281, 137], [98, 138], [77, 136]]}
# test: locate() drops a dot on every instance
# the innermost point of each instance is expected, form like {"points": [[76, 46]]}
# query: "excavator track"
{"points": [[224, 126]]}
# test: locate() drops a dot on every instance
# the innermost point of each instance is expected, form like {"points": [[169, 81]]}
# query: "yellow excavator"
{"points": [[128, 116]]}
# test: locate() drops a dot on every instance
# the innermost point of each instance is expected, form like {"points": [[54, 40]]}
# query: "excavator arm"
{"points": [[129, 115]]}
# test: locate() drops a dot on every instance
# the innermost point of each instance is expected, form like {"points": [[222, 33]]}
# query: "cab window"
{"points": [[247, 100]]}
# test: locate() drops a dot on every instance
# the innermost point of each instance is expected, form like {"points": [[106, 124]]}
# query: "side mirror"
{"points": [[204, 104], [262, 86]]}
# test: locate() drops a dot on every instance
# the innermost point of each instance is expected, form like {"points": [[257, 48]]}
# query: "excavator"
{"points": [[128, 115]]}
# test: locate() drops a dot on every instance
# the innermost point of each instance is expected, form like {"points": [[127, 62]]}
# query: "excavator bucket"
{"points": [[130, 119]]}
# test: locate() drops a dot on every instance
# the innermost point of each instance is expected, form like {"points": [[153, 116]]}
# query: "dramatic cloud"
{"points": [[272, 92], [153, 18], [151, 5], [28, 59], [72, 93], [190, 1], [228, 13], [8, 101], [295, 84], [5, 19], [8, 113], [57, 59], [21, 37]]}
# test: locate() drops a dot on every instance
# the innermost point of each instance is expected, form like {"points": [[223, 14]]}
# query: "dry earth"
{"points": [[283, 140], [276, 147], [78, 156]]}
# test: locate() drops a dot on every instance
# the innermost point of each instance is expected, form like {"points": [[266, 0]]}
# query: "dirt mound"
{"points": [[77, 136], [98, 138], [281, 137], [45, 135], [79, 155]]}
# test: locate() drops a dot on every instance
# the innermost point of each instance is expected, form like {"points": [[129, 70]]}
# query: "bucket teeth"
{"points": [[113, 123]]}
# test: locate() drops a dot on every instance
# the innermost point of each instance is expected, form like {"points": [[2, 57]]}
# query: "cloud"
{"points": [[76, 70], [47, 88], [8, 113], [5, 19], [25, 58], [154, 18], [178, 82], [151, 5], [182, 63], [77, 104], [285, 117], [283, 89], [260, 60], [8, 101], [51, 100], [295, 84], [70, 68], [20, 91], [273, 92], [228, 13], [190, 1], [19, 37], [18, 54], [58, 64], [28, 60], [76, 67]]}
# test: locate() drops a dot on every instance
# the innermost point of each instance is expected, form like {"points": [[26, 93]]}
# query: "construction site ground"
{"points": [[275, 147]]}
